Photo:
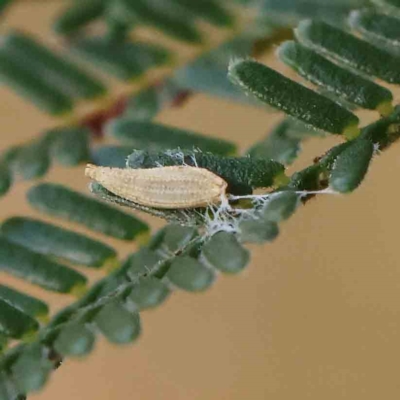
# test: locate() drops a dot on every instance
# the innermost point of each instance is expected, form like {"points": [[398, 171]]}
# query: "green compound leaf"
{"points": [[51, 240], [126, 60], [280, 206], [38, 269], [294, 99], [78, 15], [117, 324], [336, 80], [31, 369], [258, 231], [241, 173], [15, 323], [33, 86], [149, 135], [172, 25], [224, 252], [351, 166], [149, 293], [59, 72], [380, 29], [348, 50], [75, 340], [70, 145], [27, 304], [188, 274], [61, 202]]}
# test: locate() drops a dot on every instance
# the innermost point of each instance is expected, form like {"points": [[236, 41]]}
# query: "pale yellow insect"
{"points": [[163, 187]]}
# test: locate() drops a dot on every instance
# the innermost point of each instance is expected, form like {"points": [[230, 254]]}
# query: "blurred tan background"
{"points": [[315, 316]]}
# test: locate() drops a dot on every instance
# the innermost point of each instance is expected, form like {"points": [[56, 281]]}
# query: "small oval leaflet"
{"points": [[162, 187]]}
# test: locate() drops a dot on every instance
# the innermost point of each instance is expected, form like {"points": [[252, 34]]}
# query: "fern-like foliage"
{"points": [[336, 57]]}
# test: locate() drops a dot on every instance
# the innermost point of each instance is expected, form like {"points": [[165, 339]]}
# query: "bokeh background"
{"points": [[315, 316]]}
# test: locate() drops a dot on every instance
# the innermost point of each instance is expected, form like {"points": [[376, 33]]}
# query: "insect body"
{"points": [[164, 187]]}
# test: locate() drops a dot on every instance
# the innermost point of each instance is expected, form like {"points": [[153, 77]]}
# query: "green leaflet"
{"points": [[391, 7], [211, 80], [143, 262], [307, 179], [31, 161], [78, 15], [188, 274], [149, 293], [67, 313], [75, 339], [117, 30], [282, 144], [321, 9], [258, 231], [351, 166], [124, 60], [225, 253], [70, 145], [38, 269], [117, 324], [238, 46], [59, 72], [3, 345], [8, 391], [146, 104], [5, 178], [31, 369], [4, 4], [111, 156], [27, 304], [241, 173], [280, 206], [149, 135], [209, 10], [33, 86], [175, 238], [15, 323], [337, 80], [378, 28], [294, 99], [385, 131], [61, 202], [327, 161], [172, 25], [52, 240], [182, 216], [4, 395], [348, 50]]}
